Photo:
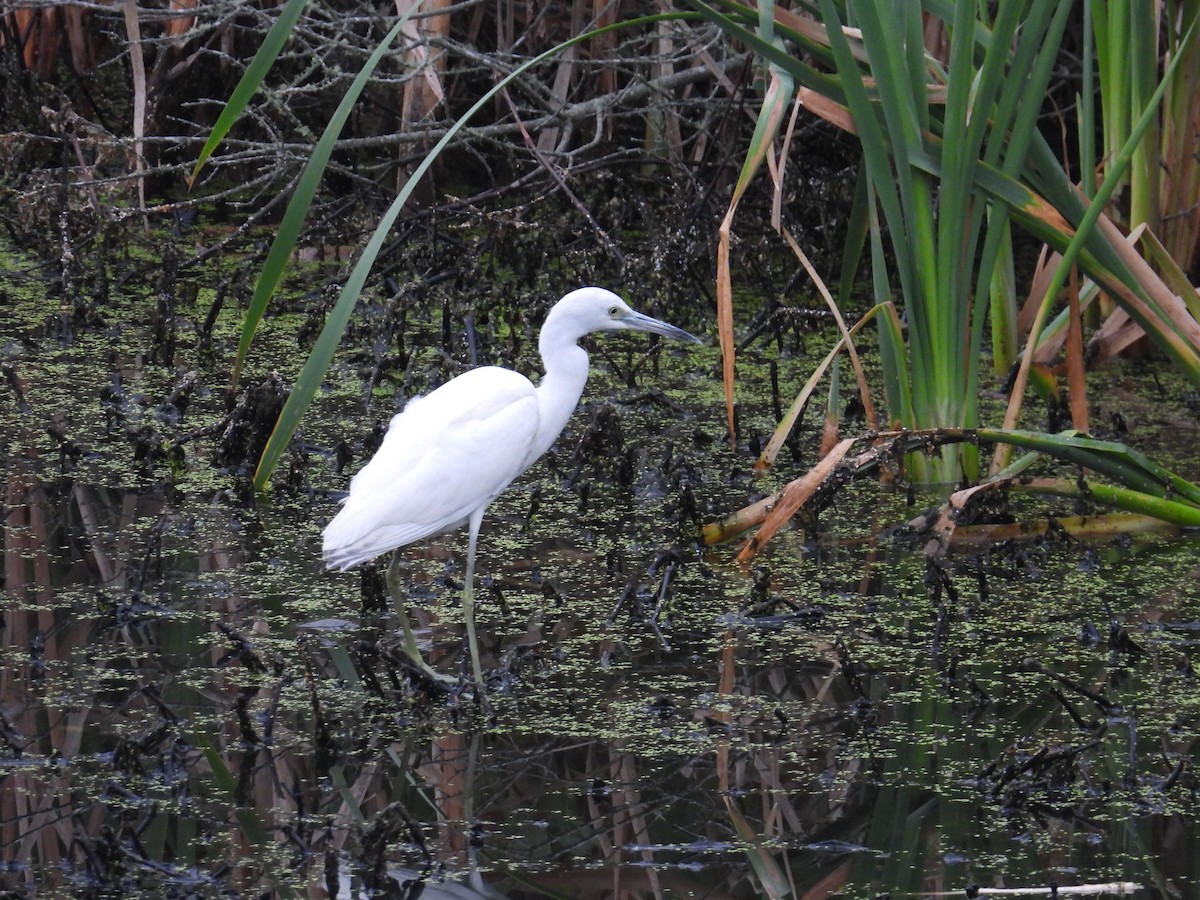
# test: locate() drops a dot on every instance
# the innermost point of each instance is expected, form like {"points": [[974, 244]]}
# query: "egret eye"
{"points": [[614, 311]]}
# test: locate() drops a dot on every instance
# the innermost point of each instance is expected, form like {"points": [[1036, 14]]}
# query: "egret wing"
{"points": [[447, 455]]}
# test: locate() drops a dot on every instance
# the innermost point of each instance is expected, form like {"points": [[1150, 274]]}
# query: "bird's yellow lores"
{"points": [[449, 454]]}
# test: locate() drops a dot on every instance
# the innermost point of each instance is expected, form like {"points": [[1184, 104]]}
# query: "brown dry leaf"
{"points": [[1046, 264], [1117, 334], [792, 497], [1168, 302], [1076, 374], [829, 436], [824, 108], [180, 24]]}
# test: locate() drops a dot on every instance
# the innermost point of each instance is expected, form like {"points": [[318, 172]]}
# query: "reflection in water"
{"points": [[189, 706], [856, 725]]}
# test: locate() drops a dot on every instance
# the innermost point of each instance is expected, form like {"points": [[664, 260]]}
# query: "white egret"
{"points": [[449, 454]]}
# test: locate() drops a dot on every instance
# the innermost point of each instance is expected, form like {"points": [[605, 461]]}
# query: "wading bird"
{"points": [[449, 454]]}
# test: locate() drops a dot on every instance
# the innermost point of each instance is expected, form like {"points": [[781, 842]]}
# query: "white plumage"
{"points": [[445, 456]]}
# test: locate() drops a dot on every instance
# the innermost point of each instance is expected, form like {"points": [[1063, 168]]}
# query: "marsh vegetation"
{"points": [[898, 694]]}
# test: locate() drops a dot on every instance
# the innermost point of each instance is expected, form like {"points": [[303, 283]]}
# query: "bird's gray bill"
{"points": [[657, 326]]}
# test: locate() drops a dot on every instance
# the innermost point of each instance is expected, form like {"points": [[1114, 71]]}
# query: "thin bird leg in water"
{"points": [[469, 594], [410, 641]]}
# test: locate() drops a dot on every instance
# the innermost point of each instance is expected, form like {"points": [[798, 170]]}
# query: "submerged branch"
{"points": [[1146, 488]]}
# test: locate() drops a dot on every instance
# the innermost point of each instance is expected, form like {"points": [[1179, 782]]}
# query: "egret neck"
{"points": [[566, 372]]}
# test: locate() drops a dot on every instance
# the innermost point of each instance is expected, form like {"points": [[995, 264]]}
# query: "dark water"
{"points": [[192, 708]]}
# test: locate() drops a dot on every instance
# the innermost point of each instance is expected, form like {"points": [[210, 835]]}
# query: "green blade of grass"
{"points": [[1040, 218], [1124, 498], [1067, 447], [1013, 127], [776, 100], [1086, 101], [893, 354], [1143, 26], [297, 209], [857, 228], [1083, 233], [1119, 462], [893, 192], [739, 21], [1172, 482], [250, 81], [890, 132]]}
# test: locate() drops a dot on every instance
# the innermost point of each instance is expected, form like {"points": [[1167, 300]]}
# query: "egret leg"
{"points": [[469, 594], [410, 641]]}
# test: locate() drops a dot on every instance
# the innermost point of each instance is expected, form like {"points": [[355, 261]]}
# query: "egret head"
{"points": [[595, 309]]}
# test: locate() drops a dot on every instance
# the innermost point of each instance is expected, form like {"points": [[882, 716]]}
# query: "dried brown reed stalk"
{"points": [[650, 93]]}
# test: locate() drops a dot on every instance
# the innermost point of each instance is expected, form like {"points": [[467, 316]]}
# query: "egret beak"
{"points": [[639, 322]]}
